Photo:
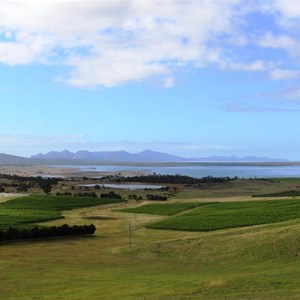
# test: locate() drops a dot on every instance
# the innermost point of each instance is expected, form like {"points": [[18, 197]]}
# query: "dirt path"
{"points": [[113, 226]]}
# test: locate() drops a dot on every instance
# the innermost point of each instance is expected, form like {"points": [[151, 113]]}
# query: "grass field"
{"points": [[254, 263], [232, 214], [260, 262], [24, 212]]}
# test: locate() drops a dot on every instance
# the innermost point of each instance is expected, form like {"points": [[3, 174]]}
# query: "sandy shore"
{"points": [[63, 172], [35, 170]]}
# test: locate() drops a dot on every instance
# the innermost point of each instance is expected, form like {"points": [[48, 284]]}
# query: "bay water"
{"points": [[198, 171]]}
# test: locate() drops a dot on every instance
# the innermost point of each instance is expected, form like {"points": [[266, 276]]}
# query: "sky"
{"points": [[191, 78]]}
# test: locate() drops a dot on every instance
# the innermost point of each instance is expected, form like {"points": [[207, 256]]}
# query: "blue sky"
{"points": [[192, 78]]}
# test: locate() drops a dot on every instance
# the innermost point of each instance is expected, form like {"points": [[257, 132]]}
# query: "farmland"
{"points": [[163, 209], [232, 214], [254, 262], [24, 212], [257, 262]]}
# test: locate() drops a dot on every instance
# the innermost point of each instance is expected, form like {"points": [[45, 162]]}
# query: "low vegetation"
{"points": [[232, 214], [22, 212], [156, 197], [292, 193], [111, 195], [163, 209]]}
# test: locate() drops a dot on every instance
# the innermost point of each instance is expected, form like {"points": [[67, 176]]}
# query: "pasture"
{"points": [[257, 262], [251, 262]]}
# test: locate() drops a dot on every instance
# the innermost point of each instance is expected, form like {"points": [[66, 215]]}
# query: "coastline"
{"points": [[198, 170], [63, 171]]}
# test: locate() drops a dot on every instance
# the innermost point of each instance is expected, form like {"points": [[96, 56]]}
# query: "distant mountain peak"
{"points": [[145, 156], [66, 152]]}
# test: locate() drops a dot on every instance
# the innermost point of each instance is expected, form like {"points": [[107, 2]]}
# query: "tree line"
{"points": [[174, 179], [109, 195], [35, 179], [46, 232], [23, 183]]}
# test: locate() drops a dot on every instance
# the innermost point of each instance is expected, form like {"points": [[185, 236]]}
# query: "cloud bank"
{"points": [[108, 43]]}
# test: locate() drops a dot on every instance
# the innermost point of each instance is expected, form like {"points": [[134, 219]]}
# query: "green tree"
{"points": [[46, 187]]}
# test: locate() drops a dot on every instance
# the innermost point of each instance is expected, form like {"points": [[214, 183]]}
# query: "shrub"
{"points": [[111, 195], [45, 232]]}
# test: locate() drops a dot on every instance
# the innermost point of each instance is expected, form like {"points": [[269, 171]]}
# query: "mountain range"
{"points": [[144, 156], [106, 157], [7, 159]]}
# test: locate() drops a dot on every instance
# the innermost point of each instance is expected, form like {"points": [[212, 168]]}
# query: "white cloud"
{"points": [[286, 13], [278, 41], [169, 82], [281, 41], [108, 43], [279, 74], [255, 66], [111, 42], [288, 8]]}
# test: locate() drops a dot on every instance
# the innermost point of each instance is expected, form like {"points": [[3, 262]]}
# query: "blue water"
{"points": [[127, 186], [199, 171]]}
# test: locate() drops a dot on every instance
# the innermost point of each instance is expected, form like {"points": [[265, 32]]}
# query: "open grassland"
{"points": [[232, 214], [250, 262], [23, 212], [258, 262], [163, 209]]}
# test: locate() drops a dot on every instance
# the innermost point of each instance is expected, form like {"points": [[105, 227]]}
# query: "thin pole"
{"points": [[129, 235]]}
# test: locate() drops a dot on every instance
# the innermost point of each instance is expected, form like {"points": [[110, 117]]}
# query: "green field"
{"points": [[250, 263], [253, 263], [291, 193], [232, 214], [163, 209], [23, 212]]}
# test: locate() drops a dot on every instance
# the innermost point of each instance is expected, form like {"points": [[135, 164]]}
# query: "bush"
{"points": [[111, 195], [157, 198], [86, 194], [64, 194], [45, 232]]}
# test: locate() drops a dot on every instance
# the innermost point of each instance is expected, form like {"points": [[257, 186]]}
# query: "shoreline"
{"points": [[61, 172], [273, 171]]}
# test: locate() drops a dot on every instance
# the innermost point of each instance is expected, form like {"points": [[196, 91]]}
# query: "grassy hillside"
{"points": [[257, 262]]}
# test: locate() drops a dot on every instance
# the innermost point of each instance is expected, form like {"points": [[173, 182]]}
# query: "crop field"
{"points": [[242, 263], [163, 209], [22, 212], [195, 261], [291, 193], [232, 214], [21, 218]]}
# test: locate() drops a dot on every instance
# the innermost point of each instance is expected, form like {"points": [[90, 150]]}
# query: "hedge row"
{"points": [[45, 232]]}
